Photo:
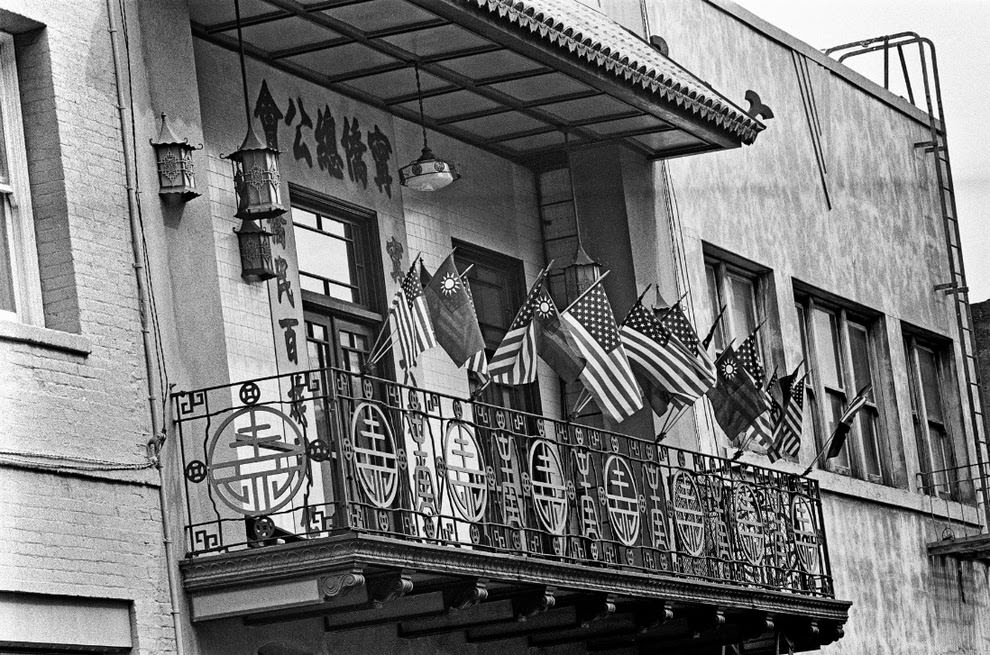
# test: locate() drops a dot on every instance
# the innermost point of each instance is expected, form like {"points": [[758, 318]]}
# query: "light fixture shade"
{"points": [[580, 274], [176, 173], [428, 173], [254, 243], [257, 181]]}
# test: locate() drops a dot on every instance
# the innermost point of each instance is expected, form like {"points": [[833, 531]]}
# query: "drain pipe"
{"points": [[137, 246]]}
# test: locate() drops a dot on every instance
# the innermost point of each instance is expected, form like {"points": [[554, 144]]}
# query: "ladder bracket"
{"points": [[949, 288]]}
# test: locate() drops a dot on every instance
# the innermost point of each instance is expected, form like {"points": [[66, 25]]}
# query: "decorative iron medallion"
{"points": [[465, 468], [549, 490], [252, 468], [804, 533], [622, 500], [375, 455], [749, 525], [688, 513]]}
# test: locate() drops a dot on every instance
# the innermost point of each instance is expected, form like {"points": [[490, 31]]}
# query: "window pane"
{"points": [[326, 257], [860, 349], [929, 383], [743, 306], [303, 217], [834, 410], [827, 347], [715, 300], [7, 295], [868, 438]]}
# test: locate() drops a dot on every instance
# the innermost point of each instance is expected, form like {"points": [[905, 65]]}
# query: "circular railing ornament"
{"points": [[622, 500], [750, 533], [465, 471], [252, 468], [375, 456], [804, 533], [689, 515], [546, 477]]}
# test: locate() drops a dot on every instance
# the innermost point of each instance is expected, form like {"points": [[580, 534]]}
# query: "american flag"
{"points": [[788, 433], [607, 373], [678, 324], [749, 357], [476, 362], [514, 361], [662, 360], [838, 438], [412, 319]]}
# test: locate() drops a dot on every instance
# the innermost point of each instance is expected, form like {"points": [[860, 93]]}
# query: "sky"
{"points": [[960, 30]]}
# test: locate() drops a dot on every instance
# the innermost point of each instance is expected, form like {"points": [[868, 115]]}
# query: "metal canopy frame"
{"points": [[512, 111]]}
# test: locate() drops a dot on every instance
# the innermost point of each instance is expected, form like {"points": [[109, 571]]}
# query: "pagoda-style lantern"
{"points": [[257, 182], [255, 245], [580, 274], [176, 174], [256, 178]]}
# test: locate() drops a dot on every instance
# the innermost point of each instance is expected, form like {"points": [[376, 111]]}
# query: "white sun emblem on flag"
{"points": [[728, 369], [449, 284], [543, 309]]}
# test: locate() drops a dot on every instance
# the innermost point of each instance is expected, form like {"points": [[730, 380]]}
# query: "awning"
{"points": [[509, 76]]}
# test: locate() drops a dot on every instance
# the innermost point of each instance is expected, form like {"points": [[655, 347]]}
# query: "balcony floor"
{"points": [[354, 580]]}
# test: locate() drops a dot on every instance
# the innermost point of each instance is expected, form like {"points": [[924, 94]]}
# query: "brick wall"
{"points": [[96, 536]]}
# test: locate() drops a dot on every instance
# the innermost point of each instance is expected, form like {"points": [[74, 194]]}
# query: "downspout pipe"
{"points": [[144, 304]]}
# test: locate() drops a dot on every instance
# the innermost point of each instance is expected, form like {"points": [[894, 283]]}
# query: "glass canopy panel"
{"points": [[284, 34], [459, 103], [213, 13], [437, 41], [643, 122], [490, 64], [499, 124], [541, 87], [397, 83], [377, 15], [343, 60], [584, 108]]}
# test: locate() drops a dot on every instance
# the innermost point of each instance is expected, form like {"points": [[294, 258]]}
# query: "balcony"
{"points": [[365, 501]]}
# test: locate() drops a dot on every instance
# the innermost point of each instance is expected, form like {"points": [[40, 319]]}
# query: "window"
{"points": [[341, 279], [735, 289], [20, 285], [840, 355], [927, 378], [498, 289]]}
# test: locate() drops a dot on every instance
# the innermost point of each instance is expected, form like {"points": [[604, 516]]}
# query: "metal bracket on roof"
{"points": [[949, 288]]}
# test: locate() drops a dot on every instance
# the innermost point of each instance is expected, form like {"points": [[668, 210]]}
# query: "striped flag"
{"points": [[736, 401], [674, 320], [514, 361], [412, 319], [661, 360], [476, 362], [787, 436], [842, 428], [607, 373], [749, 356]]}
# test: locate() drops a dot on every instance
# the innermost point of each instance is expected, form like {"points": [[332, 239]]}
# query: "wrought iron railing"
{"points": [[303, 456]]}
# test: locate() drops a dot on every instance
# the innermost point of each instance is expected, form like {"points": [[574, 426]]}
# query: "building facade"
{"points": [[210, 448]]}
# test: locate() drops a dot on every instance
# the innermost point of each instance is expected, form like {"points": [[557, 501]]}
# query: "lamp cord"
{"points": [[419, 96], [240, 47]]}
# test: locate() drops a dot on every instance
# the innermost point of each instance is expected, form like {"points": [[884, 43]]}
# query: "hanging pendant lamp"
{"points": [[429, 172]]}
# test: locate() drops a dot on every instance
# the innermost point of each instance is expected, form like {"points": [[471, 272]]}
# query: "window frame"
{"points": [[15, 195], [818, 391], [723, 273], [940, 353]]}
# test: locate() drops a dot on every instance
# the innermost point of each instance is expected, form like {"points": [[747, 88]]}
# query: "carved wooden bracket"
{"points": [[389, 586], [534, 603], [756, 107], [707, 620], [467, 595], [656, 615], [595, 608], [332, 586]]}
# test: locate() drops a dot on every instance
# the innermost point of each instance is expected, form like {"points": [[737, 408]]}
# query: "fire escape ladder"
{"points": [[956, 284]]}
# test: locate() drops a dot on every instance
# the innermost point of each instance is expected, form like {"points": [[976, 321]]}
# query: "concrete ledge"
{"points": [[73, 344]]}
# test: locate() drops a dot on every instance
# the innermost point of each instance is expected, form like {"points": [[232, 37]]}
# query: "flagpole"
{"points": [[711, 331], [585, 292], [669, 309], [484, 385], [379, 348]]}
